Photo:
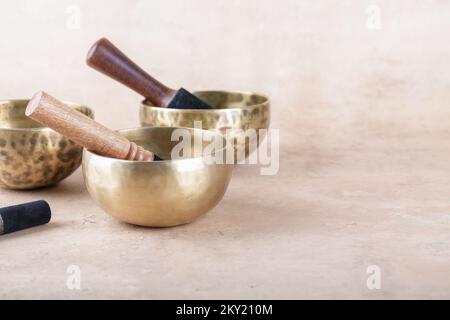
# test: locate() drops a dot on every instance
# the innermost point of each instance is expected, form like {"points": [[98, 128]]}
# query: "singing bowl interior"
{"points": [[236, 111], [31, 155], [159, 193]]}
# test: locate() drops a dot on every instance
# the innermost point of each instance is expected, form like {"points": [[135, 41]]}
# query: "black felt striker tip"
{"points": [[23, 216], [183, 99]]}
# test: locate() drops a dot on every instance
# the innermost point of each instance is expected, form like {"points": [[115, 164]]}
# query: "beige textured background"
{"points": [[364, 118]]}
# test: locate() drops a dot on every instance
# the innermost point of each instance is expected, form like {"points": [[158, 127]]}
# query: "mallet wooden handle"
{"points": [[82, 129], [106, 58]]}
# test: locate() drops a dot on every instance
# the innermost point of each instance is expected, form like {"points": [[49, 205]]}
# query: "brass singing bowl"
{"points": [[157, 193], [243, 114], [31, 155]]}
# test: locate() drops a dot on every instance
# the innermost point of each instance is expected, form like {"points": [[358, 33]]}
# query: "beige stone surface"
{"points": [[364, 175]]}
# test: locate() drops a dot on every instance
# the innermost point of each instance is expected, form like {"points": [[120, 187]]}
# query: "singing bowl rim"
{"points": [[162, 161], [266, 102], [89, 112]]}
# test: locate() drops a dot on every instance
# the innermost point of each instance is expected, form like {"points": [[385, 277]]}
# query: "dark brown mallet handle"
{"points": [[82, 129], [106, 58]]}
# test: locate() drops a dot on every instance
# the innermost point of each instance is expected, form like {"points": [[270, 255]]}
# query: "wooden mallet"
{"points": [[83, 130], [106, 58]]}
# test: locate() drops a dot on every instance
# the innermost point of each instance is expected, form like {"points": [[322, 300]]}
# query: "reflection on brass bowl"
{"points": [[157, 193], [33, 156], [234, 110]]}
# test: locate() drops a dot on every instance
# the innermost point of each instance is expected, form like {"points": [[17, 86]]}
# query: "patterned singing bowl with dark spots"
{"points": [[33, 156], [240, 115]]}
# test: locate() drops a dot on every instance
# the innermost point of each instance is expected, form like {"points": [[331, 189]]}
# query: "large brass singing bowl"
{"points": [[156, 193], [243, 114], [33, 156]]}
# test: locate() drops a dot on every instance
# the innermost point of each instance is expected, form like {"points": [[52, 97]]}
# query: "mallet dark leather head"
{"points": [[24, 216]]}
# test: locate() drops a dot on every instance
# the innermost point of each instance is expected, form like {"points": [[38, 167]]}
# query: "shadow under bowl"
{"points": [[157, 193], [31, 155], [240, 115]]}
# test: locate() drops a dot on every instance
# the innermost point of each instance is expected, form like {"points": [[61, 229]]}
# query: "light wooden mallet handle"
{"points": [[82, 129]]}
